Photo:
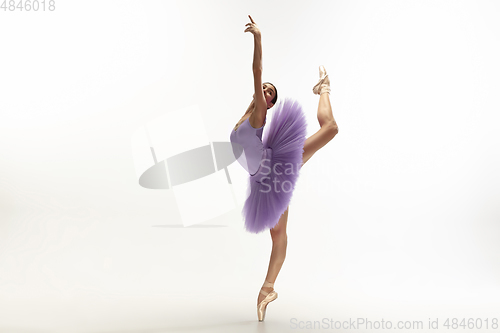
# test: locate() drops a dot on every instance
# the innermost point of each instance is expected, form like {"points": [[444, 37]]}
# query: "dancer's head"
{"points": [[270, 94]]}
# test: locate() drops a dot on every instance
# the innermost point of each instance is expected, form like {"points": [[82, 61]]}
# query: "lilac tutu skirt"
{"points": [[270, 189]]}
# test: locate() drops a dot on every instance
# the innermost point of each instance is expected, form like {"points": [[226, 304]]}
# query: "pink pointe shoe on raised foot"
{"points": [[270, 296], [323, 84]]}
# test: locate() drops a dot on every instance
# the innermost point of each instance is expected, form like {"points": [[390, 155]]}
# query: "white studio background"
{"points": [[400, 211]]}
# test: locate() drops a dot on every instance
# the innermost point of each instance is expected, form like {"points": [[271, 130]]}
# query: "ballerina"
{"points": [[269, 160]]}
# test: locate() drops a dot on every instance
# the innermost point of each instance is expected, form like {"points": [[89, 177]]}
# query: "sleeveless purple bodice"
{"points": [[248, 140]]}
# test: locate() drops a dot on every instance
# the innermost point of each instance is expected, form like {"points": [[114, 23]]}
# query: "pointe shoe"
{"points": [[323, 84], [270, 296]]}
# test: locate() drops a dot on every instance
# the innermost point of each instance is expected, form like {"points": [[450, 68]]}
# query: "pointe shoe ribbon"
{"points": [[270, 296], [323, 84]]}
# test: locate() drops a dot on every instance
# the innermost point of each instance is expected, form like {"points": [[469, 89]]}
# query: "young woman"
{"points": [[270, 161]]}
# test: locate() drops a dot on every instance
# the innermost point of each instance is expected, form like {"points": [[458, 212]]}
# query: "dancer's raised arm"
{"points": [[260, 101]]}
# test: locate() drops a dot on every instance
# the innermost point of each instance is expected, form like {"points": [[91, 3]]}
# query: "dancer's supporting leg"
{"points": [[278, 234], [327, 131], [316, 141]]}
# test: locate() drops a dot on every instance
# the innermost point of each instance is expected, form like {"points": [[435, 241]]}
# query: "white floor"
{"points": [[234, 311], [77, 270]]}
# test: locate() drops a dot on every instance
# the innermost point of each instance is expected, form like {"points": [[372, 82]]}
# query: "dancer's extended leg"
{"points": [[278, 234], [327, 131]]}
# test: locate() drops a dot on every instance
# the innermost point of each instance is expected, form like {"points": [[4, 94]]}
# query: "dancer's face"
{"points": [[269, 94]]}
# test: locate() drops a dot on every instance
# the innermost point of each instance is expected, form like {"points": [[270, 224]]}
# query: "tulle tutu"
{"points": [[270, 189]]}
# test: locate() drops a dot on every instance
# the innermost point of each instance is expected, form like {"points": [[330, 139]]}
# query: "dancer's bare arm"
{"points": [[260, 101]]}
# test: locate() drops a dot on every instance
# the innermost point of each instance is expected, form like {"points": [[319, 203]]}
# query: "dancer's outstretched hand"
{"points": [[252, 27]]}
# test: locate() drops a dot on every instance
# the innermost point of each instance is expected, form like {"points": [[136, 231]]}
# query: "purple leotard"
{"points": [[248, 139]]}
